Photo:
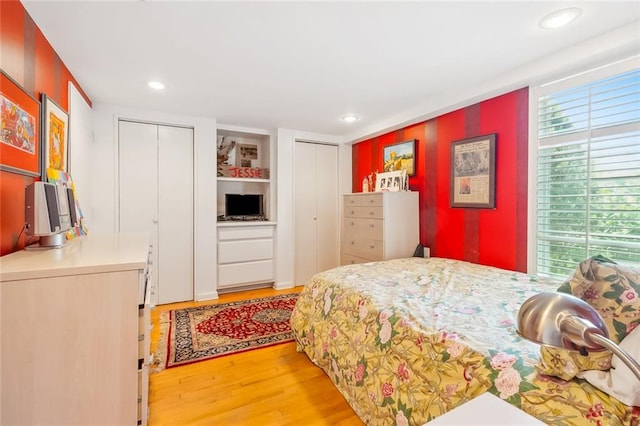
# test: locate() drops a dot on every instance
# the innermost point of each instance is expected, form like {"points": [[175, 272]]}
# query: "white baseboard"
{"points": [[283, 286], [207, 296]]}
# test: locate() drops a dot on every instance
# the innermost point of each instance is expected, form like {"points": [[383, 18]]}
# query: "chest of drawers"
{"points": [[379, 226]]}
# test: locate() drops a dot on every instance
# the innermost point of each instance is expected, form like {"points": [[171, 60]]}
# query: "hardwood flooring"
{"points": [[270, 386]]}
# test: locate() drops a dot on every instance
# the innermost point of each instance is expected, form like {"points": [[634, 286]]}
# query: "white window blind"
{"points": [[588, 174]]}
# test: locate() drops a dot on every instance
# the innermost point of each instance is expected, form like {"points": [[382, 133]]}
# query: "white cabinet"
{"points": [[380, 226], [155, 186], [75, 335], [315, 209], [245, 255]]}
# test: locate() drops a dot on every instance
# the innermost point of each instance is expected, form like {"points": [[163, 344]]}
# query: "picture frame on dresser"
{"points": [[391, 181], [20, 124], [473, 172]]}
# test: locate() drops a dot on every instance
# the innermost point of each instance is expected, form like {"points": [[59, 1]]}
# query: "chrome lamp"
{"points": [[565, 321]]}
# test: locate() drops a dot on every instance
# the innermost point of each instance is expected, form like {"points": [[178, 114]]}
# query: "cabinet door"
{"points": [[175, 214]]}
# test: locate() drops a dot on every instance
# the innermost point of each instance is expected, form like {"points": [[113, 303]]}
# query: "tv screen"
{"points": [[243, 206]]}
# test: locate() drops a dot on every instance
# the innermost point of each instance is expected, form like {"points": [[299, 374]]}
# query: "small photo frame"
{"points": [[400, 156], [391, 181], [247, 155], [19, 129], [55, 136], [473, 172]]}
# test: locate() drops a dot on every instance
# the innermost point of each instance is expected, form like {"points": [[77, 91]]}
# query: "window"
{"points": [[588, 171]]}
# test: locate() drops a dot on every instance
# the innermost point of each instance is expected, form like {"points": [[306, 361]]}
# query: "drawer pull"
{"points": [[371, 201], [371, 225], [371, 213], [371, 246], [353, 242], [352, 223], [352, 212]]}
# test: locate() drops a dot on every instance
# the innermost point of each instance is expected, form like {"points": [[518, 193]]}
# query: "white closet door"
{"points": [[138, 183], [175, 214], [305, 212], [328, 252], [316, 209]]}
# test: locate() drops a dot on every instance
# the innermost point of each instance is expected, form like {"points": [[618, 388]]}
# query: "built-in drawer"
{"points": [[245, 250], [365, 212], [357, 227], [248, 272], [363, 247], [244, 232]]}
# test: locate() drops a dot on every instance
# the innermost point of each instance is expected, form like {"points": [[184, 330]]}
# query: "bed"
{"points": [[407, 340]]}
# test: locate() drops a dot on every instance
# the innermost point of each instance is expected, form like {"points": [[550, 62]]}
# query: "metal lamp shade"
{"points": [[561, 320]]}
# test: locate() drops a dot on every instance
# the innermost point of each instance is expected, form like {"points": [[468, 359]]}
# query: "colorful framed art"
{"points": [[55, 133], [19, 129], [400, 156]]}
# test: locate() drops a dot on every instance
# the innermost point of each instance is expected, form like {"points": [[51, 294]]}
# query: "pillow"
{"points": [[613, 290], [620, 382]]}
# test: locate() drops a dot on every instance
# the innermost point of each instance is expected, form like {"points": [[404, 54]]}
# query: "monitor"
{"points": [[244, 206]]}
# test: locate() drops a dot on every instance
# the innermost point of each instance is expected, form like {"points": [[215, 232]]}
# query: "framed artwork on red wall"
{"points": [[19, 129], [400, 156], [55, 136], [473, 172]]}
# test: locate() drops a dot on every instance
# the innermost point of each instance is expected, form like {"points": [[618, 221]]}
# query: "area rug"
{"points": [[204, 332]]}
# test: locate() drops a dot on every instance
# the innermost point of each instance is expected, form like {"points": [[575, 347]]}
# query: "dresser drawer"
{"points": [[347, 259], [245, 250], [373, 199], [363, 247], [369, 228], [352, 200], [365, 212]]}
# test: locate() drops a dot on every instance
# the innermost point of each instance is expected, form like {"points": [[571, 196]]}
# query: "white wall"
{"points": [[285, 241], [104, 183], [81, 150]]}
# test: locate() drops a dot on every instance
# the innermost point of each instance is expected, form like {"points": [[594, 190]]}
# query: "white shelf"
{"points": [[231, 179]]}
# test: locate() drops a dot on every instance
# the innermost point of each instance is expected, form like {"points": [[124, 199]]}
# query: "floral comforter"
{"points": [[407, 340]]}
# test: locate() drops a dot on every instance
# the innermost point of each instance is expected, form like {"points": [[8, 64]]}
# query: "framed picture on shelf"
{"points": [[400, 156], [247, 155], [19, 129], [55, 136], [473, 172]]}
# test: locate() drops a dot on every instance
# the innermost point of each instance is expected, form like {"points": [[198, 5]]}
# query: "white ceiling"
{"points": [[303, 65]]}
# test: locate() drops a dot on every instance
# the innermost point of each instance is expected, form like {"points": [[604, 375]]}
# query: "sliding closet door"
{"points": [[315, 209]]}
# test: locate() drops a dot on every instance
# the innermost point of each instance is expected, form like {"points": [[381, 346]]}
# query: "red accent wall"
{"points": [[495, 237], [30, 60]]}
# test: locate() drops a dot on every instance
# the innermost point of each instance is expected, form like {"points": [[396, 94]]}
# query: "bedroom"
{"points": [[511, 253]]}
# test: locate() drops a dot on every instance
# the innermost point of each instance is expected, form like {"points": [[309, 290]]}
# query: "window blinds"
{"points": [[588, 174]]}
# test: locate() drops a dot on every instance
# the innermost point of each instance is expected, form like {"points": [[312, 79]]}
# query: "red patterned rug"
{"points": [[204, 332]]}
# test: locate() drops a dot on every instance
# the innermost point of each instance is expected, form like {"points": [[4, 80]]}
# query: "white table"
{"points": [[487, 409]]}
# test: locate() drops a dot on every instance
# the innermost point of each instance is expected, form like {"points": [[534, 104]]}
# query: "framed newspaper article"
{"points": [[473, 172]]}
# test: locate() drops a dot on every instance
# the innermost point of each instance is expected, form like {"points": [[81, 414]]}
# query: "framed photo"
{"points": [[19, 129], [400, 156], [473, 172], [391, 181], [247, 155], [55, 140]]}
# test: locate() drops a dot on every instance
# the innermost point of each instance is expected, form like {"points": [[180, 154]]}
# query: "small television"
{"points": [[49, 212], [243, 207]]}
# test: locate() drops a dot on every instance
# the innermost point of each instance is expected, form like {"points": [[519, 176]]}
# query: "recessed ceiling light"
{"points": [[156, 85], [350, 118], [560, 18]]}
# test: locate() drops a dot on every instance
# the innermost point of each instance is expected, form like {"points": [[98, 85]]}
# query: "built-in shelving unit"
{"points": [[245, 248]]}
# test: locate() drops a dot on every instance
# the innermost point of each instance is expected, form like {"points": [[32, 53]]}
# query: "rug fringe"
{"points": [[160, 354]]}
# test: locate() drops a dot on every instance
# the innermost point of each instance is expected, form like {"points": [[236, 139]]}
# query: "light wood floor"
{"points": [[270, 386]]}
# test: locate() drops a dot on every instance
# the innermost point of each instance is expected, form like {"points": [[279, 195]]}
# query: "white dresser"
{"points": [[75, 332], [379, 226]]}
